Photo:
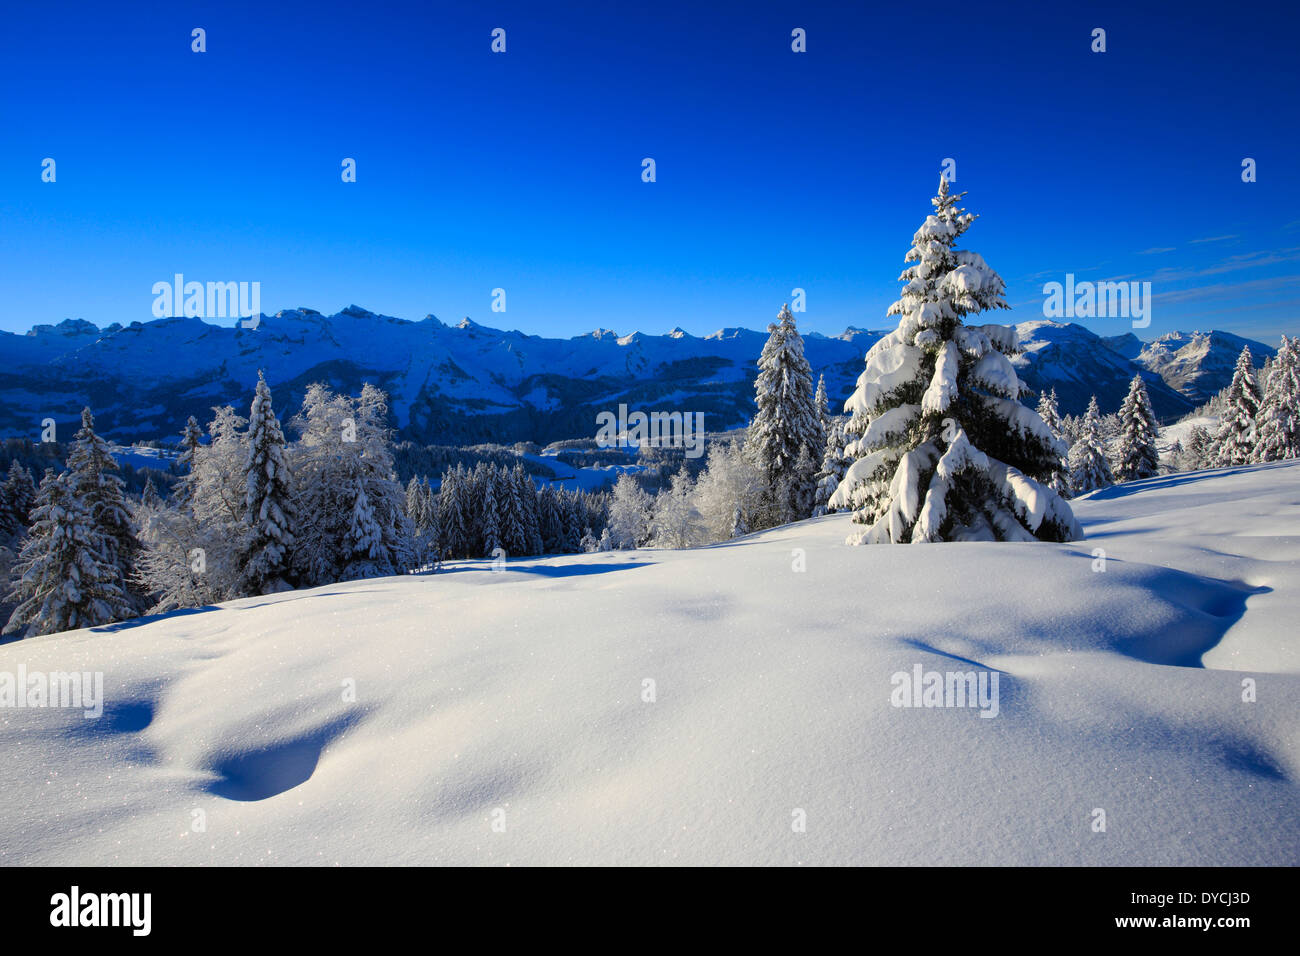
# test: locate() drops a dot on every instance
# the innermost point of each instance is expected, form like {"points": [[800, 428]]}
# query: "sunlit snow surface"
{"points": [[522, 692]]}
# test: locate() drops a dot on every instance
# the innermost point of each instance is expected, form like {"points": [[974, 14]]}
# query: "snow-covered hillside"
{"points": [[502, 717]]}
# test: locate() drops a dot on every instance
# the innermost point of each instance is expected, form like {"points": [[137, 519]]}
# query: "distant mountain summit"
{"points": [[470, 383], [1197, 364]]}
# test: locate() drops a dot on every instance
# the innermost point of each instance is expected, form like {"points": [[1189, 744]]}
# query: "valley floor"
{"points": [[503, 717]]}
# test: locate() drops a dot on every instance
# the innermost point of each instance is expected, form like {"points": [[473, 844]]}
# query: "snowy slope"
{"points": [[522, 692]]}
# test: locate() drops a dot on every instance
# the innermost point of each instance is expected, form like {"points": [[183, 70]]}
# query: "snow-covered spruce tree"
{"points": [[1049, 411], [577, 522], [514, 532], [1197, 452], [95, 483], [67, 576], [415, 503], [454, 514], [948, 453], [365, 540], [526, 490], [489, 514], [191, 441], [1137, 456], [1234, 444], [344, 448], [1089, 466], [1279, 410], [786, 423], [822, 404], [551, 519], [834, 463], [268, 504], [17, 495]]}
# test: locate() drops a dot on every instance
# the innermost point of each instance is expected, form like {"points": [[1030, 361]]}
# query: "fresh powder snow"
{"points": [[694, 706]]}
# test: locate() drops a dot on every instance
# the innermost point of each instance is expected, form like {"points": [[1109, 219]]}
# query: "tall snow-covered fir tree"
{"points": [[67, 575], [489, 524], [1137, 456], [269, 510], [786, 423], [822, 404], [1089, 466], [947, 452], [1050, 412], [834, 463], [1198, 451], [17, 495], [1279, 410], [365, 539], [191, 441], [1234, 443], [96, 484], [454, 516]]}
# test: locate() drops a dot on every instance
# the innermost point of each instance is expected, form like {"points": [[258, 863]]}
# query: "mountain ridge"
{"points": [[468, 382]]}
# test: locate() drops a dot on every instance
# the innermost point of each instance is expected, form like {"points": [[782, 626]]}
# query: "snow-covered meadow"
{"points": [[481, 717]]}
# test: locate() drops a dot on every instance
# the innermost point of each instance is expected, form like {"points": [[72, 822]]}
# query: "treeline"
{"points": [[493, 511]]}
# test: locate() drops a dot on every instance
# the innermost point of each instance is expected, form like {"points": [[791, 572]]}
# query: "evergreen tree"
{"points": [[526, 491], [1198, 452], [1049, 411], [834, 464], [95, 483], [191, 440], [822, 404], [1137, 456], [67, 576], [1234, 444], [551, 515], [1279, 410], [575, 523], [787, 422], [489, 511], [17, 495], [453, 514], [947, 451], [415, 504], [1089, 466], [268, 506], [149, 494], [514, 533], [365, 540]]}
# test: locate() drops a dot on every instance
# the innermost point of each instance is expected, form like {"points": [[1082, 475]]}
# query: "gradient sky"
{"points": [[523, 170]]}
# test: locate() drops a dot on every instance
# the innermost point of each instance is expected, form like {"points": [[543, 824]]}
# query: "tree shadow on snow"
{"points": [[574, 570], [1165, 481]]}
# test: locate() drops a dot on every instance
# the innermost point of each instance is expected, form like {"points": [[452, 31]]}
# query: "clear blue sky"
{"points": [[523, 170]]}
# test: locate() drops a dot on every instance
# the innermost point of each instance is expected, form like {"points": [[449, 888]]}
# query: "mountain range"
{"points": [[467, 383]]}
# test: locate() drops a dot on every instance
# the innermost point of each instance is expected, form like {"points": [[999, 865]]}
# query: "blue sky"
{"points": [[522, 170]]}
